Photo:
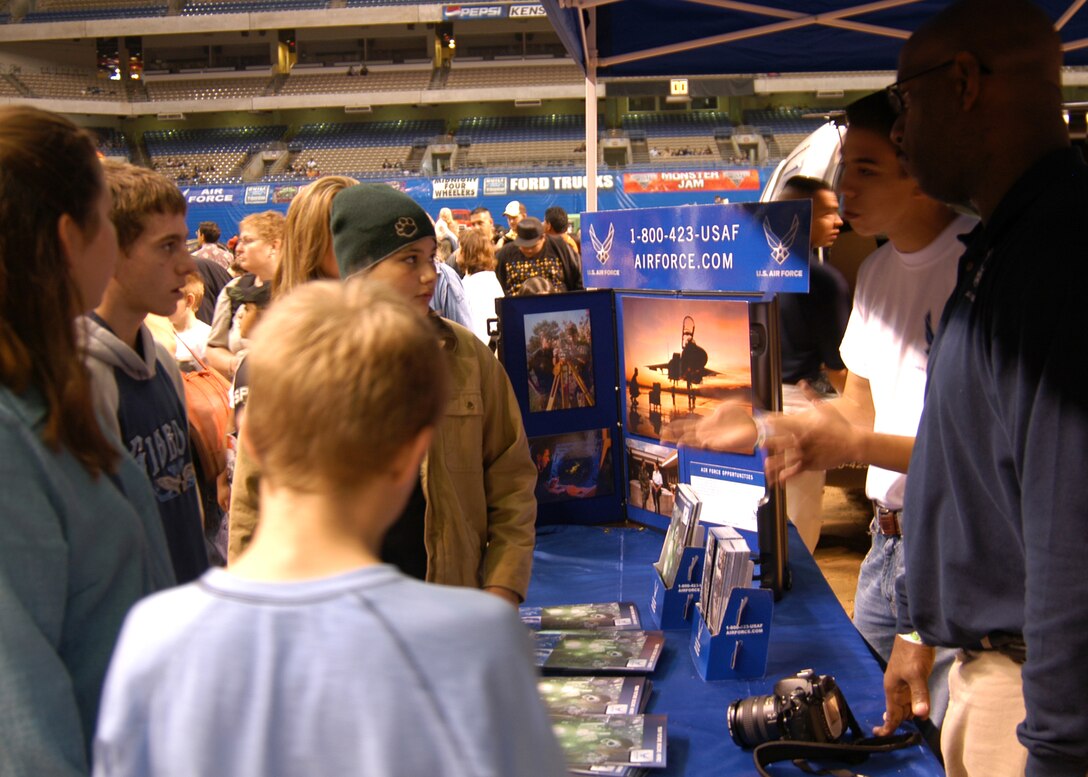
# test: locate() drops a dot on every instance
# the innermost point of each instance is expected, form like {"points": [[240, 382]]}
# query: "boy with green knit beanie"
{"points": [[471, 519]]}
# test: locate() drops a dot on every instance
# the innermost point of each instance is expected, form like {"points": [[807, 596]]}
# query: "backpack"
{"points": [[207, 404], [207, 401]]}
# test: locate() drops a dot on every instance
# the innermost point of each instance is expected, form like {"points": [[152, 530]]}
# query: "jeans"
{"points": [[875, 610]]}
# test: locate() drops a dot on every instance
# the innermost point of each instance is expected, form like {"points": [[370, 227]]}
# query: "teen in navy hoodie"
{"points": [[137, 387]]}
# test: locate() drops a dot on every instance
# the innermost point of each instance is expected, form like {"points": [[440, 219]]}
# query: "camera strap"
{"points": [[854, 752]]}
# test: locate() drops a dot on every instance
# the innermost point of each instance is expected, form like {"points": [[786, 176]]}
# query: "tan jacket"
{"points": [[477, 477]]}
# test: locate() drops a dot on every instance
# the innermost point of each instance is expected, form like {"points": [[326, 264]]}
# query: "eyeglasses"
{"points": [[897, 99]]}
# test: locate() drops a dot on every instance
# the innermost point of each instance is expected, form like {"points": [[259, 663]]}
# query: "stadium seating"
{"points": [[71, 85], [678, 139], [493, 142], [364, 3], [513, 76], [80, 10], [524, 129], [519, 155], [111, 142], [310, 82], [207, 88], [196, 69], [8, 88], [199, 7], [217, 153], [363, 148], [685, 124], [372, 133], [778, 121], [681, 149], [186, 141]]}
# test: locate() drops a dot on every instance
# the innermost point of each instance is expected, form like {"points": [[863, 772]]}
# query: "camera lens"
{"points": [[754, 720]]}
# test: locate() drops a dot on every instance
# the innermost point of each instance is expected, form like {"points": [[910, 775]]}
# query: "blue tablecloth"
{"points": [[809, 630]]}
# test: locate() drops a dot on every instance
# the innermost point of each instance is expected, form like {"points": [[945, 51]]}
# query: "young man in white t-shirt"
{"points": [[901, 291], [308, 655]]}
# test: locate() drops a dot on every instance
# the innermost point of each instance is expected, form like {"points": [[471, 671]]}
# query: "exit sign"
{"points": [[678, 86]]}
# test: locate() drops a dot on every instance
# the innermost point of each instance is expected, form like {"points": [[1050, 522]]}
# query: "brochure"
{"points": [[582, 617], [599, 652], [620, 740], [594, 695]]}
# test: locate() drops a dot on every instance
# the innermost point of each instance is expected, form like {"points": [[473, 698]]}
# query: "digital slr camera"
{"points": [[807, 707]]}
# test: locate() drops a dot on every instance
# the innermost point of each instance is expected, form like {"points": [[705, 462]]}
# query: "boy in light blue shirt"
{"points": [[310, 656]]}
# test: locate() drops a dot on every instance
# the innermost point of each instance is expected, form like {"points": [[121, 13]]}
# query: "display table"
{"points": [[809, 630]]}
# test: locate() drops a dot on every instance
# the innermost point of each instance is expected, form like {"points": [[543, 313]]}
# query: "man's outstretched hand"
{"points": [[729, 428]]}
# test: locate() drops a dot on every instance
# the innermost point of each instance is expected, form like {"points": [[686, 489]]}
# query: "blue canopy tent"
{"points": [[639, 38]]}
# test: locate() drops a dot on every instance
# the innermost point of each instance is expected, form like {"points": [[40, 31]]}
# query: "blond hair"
{"points": [[194, 284], [267, 224], [137, 194], [306, 234], [358, 372]]}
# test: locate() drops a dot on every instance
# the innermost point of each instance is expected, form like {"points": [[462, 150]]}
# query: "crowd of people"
{"points": [[104, 493], [480, 262], [377, 539]]}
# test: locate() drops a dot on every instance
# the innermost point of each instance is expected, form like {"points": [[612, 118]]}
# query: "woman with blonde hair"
{"points": [[307, 253], [82, 536], [260, 236]]}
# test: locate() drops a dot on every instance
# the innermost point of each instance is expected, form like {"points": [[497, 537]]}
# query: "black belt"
{"points": [[1009, 645], [887, 521]]}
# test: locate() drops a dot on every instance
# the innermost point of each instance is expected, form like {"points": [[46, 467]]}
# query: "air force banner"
{"points": [[745, 247]]}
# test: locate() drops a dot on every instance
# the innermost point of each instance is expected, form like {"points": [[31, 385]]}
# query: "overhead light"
{"points": [[836, 93], [673, 99], [526, 103], [358, 109]]}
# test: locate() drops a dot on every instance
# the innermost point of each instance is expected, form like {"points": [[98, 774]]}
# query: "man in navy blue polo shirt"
{"points": [[996, 505]]}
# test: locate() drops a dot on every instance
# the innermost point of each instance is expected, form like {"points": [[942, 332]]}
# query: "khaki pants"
{"points": [[986, 704]]}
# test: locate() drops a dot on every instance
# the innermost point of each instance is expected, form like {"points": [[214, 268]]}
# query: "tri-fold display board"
{"points": [[613, 383]]}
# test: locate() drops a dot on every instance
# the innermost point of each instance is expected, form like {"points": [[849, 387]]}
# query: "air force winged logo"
{"points": [[603, 248], [780, 247]]}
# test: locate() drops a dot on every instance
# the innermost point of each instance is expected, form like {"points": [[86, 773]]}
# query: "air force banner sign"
{"points": [[744, 247]]}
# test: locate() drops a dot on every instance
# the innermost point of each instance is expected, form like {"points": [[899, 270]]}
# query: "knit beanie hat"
{"points": [[372, 220]]}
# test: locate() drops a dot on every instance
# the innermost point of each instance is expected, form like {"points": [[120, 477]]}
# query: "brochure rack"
{"points": [[674, 608], [739, 650]]}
